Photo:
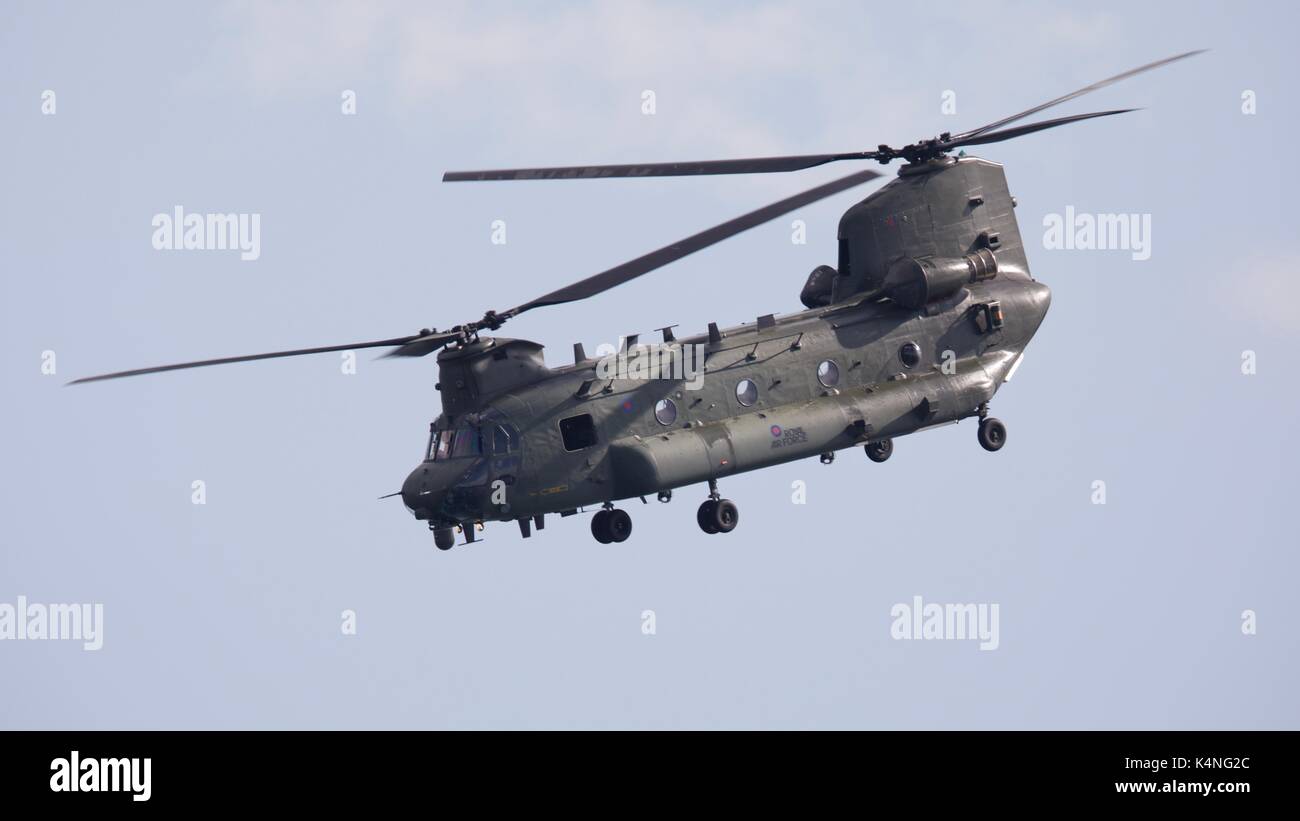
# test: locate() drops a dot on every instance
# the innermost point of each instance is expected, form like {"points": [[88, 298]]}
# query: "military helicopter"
{"points": [[926, 313]]}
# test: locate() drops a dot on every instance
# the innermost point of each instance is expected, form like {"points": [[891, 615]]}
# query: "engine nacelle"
{"points": [[913, 282], [818, 289]]}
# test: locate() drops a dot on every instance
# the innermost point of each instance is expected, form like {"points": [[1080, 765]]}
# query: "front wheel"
{"points": [[725, 515], [444, 538], [992, 434], [600, 527], [704, 516], [879, 450], [618, 525]]}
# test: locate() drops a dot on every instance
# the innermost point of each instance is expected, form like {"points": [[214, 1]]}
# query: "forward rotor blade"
{"points": [[1030, 128], [620, 274], [963, 138], [755, 165], [203, 363], [423, 345]]}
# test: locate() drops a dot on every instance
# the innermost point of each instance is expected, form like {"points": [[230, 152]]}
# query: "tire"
{"points": [[704, 516], [880, 450], [618, 524], [725, 516], [992, 434], [600, 527], [444, 538]]}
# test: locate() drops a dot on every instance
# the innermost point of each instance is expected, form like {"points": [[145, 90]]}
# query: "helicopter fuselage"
{"points": [[572, 440], [927, 315]]}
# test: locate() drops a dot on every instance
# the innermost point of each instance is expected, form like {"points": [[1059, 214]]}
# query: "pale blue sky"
{"points": [[227, 615]]}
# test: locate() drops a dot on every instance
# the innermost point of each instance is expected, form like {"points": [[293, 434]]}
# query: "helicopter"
{"points": [[925, 315]]}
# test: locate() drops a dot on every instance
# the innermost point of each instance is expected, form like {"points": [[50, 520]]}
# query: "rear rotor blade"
{"points": [[755, 165], [761, 165], [620, 274], [963, 138], [203, 363], [1029, 128]]}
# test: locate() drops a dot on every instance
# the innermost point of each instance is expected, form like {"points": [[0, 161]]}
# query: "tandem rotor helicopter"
{"points": [[926, 313]]}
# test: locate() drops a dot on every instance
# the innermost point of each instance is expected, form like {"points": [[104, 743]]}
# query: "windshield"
{"points": [[454, 443], [472, 441], [466, 442], [440, 445]]}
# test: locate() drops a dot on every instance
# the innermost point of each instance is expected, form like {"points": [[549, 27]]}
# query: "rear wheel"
{"points": [[725, 516], [704, 516]]}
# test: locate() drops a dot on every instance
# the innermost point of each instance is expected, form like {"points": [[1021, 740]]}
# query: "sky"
{"points": [[1169, 606]]}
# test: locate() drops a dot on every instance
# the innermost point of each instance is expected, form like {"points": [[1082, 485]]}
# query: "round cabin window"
{"points": [[910, 354], [746, 392], [828, 373], [665, 412]]}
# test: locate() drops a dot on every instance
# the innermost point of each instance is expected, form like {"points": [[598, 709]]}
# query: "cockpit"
{"points": [[472, 440]]}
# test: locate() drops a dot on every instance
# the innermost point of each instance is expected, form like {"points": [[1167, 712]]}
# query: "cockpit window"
{"points": [[451, 444], [440, 445], [467, 442], [504, 439]]}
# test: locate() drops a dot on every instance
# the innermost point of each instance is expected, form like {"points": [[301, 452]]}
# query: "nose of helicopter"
{"points": [[422, 491]]}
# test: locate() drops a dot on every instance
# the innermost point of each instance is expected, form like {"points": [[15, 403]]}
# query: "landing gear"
{"points": [[611, 525], [444, 538], [992, 434], [704, 516], [598, 528], [725, 515], [717, 515], [880, 450]]}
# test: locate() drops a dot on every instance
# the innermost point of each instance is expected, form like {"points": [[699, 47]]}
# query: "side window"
{"points": [[578, 432], [746, 392], [504, 439], [828, 373], [665, 412]]}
